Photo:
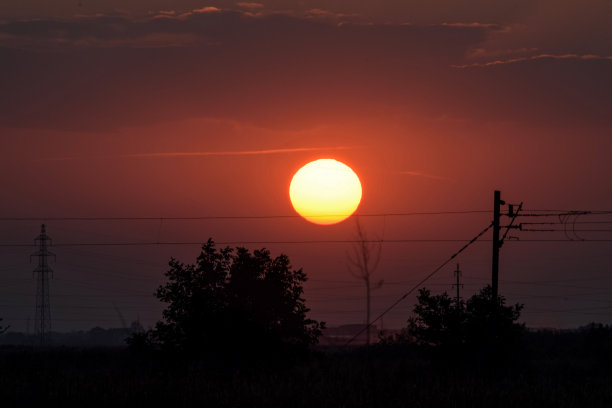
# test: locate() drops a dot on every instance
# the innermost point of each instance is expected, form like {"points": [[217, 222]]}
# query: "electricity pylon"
{"points": [[457, 273], [42, 316]]}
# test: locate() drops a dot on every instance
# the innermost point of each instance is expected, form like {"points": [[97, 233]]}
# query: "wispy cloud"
{"points": [[486, 53], [250, 4], [323, 13], [475, 25], [536, 57], [208, 9], [421, 174], [238, 152], [203, 154]]}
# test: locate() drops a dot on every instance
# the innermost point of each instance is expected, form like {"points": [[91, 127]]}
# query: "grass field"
{"points": [[384, 376]]}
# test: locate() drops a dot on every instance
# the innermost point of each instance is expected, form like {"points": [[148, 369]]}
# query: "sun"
{"points": [[325, 191]]}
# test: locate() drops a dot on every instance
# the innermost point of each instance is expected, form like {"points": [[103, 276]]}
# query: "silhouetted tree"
{"points": [[232, 300], [492, 327], [437, 321], [477, 326]]}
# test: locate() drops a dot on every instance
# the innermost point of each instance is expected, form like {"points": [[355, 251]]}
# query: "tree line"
{"points": [[232, 300]]}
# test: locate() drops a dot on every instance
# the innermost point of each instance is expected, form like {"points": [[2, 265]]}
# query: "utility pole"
{"points": [[497, 203], [42, 317], [497, 241], [458, 284]]}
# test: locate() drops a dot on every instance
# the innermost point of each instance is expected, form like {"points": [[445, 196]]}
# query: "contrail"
{"points": [[203, 154]]}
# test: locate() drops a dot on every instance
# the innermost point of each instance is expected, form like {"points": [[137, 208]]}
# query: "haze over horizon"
{"points": [[194, 109]]}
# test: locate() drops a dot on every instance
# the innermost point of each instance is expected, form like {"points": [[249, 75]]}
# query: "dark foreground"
{"points": [[552, 374]]}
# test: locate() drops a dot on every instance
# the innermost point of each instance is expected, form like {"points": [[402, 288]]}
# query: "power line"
{"points": [[295, 242], [560, 230], [560, 223], [85, 307], [422, 281], [235, 217], [339, 241], [542, 283], [529, 213], [562, 240], [566, 213], [584, 313], [93, 319]]}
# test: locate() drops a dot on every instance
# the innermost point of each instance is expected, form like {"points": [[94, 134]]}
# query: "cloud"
{"points": [[274, 70], [558, 27], [421, 174], [208, 9], [476, 25], [481, 53], [222, 25], [152, 40], [250, 5], [586, 57], [325, 14], [206, 154], [184, 15], [279, 71], [98, 32], [239, 153]]}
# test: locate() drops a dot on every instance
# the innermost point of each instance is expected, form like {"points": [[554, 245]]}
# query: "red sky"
{"points": [[434, 104]]}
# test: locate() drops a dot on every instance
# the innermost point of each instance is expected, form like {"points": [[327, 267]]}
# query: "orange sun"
{"points": [[325, 191]]}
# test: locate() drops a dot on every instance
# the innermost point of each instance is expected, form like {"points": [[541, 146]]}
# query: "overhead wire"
{"points": [[236, 242], [534, 213], [560, 230], [559, 223], [530, 213], [421, 282], [276, 242], [236, 217]]}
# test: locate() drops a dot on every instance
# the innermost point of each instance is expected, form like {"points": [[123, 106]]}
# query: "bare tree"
{"points": [[363, 260]]}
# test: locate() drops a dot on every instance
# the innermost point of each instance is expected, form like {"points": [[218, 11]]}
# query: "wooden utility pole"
{"points": [[497, 203]]}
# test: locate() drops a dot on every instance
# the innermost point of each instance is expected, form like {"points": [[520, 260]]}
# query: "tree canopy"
{"points": [[232, 299], [478, 325]]}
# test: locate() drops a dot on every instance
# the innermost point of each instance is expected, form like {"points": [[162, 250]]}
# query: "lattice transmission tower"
{"points": [[42, 316], [458, 285]]}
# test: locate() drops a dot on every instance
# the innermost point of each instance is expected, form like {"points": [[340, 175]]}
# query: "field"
{"points": [[552, 373]]}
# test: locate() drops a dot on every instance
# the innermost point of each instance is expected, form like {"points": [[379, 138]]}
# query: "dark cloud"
{"points": [[396, 11], [277, 70], [105, 72], [557, 27]]}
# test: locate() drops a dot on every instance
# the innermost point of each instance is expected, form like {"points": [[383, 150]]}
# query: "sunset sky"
{"points": [[185, 108]]}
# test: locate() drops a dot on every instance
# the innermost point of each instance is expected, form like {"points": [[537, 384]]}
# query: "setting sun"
{"points": [[325, 191]]}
